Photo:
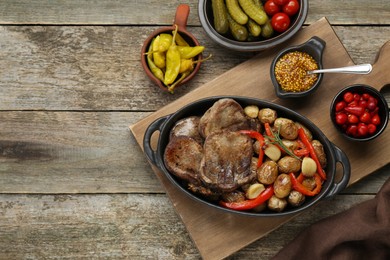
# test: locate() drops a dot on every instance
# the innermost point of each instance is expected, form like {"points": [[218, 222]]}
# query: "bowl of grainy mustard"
{"points": [[289, 69]]}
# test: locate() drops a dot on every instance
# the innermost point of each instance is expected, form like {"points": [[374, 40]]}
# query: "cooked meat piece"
{"points": [[182, 157], [234, 196], [224, 114], [226, 162], [254, 124], [204, 192], [187, 127]]}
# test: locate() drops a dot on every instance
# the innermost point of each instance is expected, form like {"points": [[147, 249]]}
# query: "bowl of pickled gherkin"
{"points": [[171, 56], [252, 25]]}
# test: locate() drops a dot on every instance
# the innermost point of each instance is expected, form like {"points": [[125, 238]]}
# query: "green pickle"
{"points": [[239, 32], [221, 23]]}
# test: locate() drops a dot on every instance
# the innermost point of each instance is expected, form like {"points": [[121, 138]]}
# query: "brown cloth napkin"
{"points": [[361, 232]]}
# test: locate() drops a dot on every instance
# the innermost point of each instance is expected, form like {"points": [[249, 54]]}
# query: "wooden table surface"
{"points": [[73, 181]]}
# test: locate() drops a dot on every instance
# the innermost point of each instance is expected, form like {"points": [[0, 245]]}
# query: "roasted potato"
{"points": [[276, 204], [282, 186], [256, 147], [267, 172], [319, 150], [295, 198], [251, 111], [309, 183], [267, 115], [287, 128], [290, 144], [289, 164]]}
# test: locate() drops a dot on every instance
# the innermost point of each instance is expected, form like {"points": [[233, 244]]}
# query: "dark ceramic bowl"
{"points": [[315, 48], [164, 125], [207, 20], [181, 17], [383, 111]]}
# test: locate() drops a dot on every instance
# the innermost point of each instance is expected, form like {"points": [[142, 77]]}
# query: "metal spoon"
{"points": [[355, 69]]}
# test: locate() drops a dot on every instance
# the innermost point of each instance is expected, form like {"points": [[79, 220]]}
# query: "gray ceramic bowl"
{"points": [[314, 47], [226, 40], [334, 154]]}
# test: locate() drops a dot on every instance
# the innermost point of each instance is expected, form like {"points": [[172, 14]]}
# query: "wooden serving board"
{"points": [[218, 234]]}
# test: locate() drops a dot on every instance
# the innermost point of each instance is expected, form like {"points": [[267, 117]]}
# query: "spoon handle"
{"points": [[355, 69]]}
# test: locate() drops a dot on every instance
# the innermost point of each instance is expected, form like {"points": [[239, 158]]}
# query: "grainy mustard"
{"points": [[291, 71]]}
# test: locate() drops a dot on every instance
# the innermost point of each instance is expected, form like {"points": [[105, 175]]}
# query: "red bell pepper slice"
{"points": [[259, 137], [313, 155], [250, 204], [301, 152], [268, 130], [355, 110], [298, 186]]}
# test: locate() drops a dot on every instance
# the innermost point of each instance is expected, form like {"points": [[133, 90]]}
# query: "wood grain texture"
{"points": [[99, 68], [156, 12], [70, 152], [122, 226], [73, 181]]}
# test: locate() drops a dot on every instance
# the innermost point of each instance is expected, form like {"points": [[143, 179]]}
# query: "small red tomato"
{"points": [[271, 8], [371, 129], [362, 129], [352, 119], [371, 105], [280, 22], [372, 99], [356, 97], [340, 106], [363, 103], [341, 118], [280, 2], [291, 8], [366, 96], [348, 97], [351, 130], [375, 119], [365, 118]]}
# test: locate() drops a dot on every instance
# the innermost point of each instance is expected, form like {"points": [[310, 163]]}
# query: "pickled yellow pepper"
{"points": [[172, 61], [157, 72], [188, 64], [187, 52], [158, 57], [164, 42], [180, 40]]}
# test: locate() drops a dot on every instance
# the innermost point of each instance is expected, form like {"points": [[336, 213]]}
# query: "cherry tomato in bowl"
{"points": [[359, 112], [271, 8], [291, 7], [280, 22], [280, 2]]}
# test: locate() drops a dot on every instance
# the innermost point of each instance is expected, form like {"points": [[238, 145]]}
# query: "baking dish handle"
{"points": [[342, 158], [152, 128]]}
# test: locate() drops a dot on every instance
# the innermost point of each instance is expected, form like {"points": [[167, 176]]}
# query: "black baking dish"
{"points": [[334, 154]]}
